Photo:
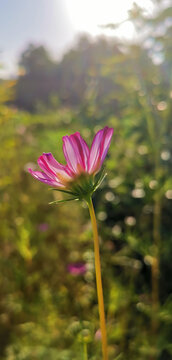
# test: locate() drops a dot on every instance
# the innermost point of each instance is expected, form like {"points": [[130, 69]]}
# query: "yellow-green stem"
{"points": [[85, 351], [99, 281]]}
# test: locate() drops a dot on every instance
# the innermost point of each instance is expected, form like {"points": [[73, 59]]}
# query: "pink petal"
{"points": [[61, 171], [107, 136], [99, 148], [39, 175], [81, 148], [45, 167], [72, 154], [94, 157]]}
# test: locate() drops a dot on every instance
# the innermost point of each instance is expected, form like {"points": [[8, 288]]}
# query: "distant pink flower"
{"points": [[77, 268], [98, 335], [82, 162], [43, 227]]}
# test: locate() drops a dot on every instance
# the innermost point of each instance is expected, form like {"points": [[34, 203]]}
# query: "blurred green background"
{"points": [[45, 310]]}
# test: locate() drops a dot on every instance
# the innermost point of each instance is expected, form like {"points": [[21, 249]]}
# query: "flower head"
{"points": [[79, 176]]}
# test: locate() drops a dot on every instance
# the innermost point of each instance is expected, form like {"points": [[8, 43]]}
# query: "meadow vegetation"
{"points": [[46, 311]]}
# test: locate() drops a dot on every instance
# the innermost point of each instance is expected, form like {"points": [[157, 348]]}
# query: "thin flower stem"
{"points": [[99, 281], [85, 351]]}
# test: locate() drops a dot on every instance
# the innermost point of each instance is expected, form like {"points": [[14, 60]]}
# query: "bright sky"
{"points": [[56, 23]]}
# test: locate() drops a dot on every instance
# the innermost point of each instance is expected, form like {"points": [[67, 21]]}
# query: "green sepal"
{"points": [[65, 191], [62, 201], [82, 187], [100, 179]]}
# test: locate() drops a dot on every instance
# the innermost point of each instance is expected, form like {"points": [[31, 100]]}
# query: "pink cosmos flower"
{"points": [[82, 163], [77, 268], [43, 227]]}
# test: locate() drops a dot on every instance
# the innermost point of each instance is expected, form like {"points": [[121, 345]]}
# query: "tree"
{"points": [[38, 80]]}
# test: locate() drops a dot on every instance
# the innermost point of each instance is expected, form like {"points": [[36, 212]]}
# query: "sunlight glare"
{"points": [[88, 16]]}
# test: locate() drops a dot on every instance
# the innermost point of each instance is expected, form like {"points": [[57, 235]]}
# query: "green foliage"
{"points": [[46, 312]]}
